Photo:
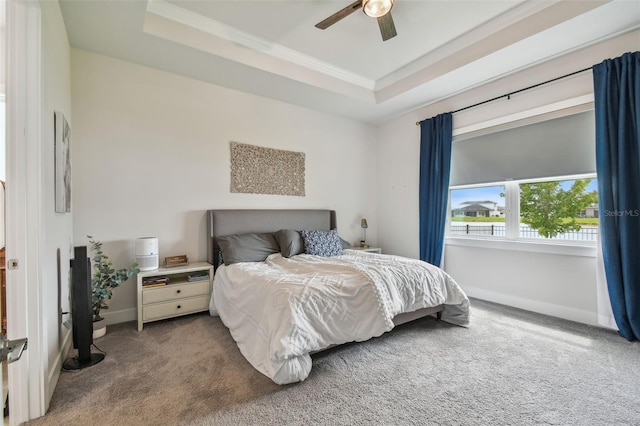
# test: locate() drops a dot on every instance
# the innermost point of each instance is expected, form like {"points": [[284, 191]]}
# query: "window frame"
{"points": [[512, 239]]}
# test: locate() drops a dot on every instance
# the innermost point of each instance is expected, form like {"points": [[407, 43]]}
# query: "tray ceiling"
{"points": [[272, 49]]}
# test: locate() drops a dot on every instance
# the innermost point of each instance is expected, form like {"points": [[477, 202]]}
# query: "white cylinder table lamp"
{"points": [[147, 253]]}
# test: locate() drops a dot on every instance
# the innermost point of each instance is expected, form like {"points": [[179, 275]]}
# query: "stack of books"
{"points": [[198, 276], [154, 281]]}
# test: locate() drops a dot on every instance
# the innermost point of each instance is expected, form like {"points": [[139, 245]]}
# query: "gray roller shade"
{"points": [[558, 147]]}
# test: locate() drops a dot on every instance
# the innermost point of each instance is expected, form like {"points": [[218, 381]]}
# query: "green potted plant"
{"points": [[103, 280]]}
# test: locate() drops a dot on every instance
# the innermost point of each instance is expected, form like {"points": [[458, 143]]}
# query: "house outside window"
{"points": [[486, 208], [478, 211]]}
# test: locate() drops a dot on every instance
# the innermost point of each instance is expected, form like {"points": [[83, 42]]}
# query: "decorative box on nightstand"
{"points": [[186, 289], [369, 249]]}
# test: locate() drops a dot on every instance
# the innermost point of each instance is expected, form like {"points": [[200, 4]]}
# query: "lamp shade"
{"points": [[377, 8], [363, 224]]}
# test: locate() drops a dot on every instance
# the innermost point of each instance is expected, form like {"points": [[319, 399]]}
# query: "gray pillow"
{"points": [[247, 247], [290, 242], [345, 244]]}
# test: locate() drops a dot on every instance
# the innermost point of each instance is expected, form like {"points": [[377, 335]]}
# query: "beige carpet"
{"points": [[509, 367]]}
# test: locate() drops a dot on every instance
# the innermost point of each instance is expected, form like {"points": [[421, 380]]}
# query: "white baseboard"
{"points": [[559, 311], [56, 366]]}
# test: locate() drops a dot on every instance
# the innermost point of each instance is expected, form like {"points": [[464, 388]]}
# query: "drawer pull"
{"points": [[179, 306], [178, 291]]}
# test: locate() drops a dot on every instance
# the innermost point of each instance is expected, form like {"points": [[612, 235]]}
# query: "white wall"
{"points": [[3, 160], [560, 285], [150, 154], [57, 229]]}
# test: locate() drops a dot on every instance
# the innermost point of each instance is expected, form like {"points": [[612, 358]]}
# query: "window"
{"points": [[478, 211], [560, 209], [533, 182]]}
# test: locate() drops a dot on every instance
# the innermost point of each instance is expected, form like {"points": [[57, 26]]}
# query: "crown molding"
{"points": [[218, 29]]}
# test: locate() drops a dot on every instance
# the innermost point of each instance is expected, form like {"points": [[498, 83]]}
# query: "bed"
{"points": [[287, 286]]}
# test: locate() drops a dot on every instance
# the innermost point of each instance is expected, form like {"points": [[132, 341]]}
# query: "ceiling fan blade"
{"points": [[387, 27], [339, 15]]}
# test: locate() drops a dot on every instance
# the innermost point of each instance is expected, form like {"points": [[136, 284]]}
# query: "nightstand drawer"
{"points": [[175, 291], [175, 307]]}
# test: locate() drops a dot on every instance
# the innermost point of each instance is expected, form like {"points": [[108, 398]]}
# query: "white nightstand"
{"points": [[182, 294], [368, 249]]}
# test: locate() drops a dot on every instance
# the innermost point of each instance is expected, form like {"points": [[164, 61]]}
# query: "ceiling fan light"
{"points": [[376, 8]]}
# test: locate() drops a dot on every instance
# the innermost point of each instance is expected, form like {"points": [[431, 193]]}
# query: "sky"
{"points": [[492, 193]]}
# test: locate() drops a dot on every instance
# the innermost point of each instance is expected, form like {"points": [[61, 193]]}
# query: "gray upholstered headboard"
{"points": [[227, 222]]}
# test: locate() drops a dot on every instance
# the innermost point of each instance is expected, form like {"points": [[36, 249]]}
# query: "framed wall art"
{"points": [[62, 135]]}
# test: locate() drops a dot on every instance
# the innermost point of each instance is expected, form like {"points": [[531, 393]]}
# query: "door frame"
{"points": [[23, 214]]}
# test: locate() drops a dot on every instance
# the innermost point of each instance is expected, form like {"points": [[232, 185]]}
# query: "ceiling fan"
{"points": [[380, 9]]}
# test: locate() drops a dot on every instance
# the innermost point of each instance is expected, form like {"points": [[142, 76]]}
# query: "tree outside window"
{"points": [[551, 209]]}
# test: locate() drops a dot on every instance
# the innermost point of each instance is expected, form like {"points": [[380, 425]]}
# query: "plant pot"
{"points": [[99, 328]]}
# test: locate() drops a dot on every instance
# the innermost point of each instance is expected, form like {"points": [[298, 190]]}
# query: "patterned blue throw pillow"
{"points": [[322, 243]]}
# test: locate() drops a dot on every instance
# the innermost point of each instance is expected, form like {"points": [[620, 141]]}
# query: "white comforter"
{"points": [[281, 309]]}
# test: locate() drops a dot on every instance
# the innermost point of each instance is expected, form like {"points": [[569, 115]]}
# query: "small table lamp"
{"points": [[364, 226]]}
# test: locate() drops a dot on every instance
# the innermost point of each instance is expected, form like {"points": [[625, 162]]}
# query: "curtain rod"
{"points": [[508, 95]]}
